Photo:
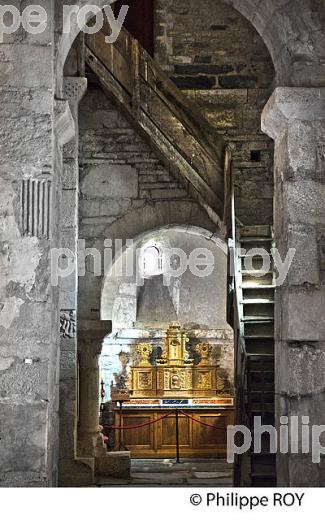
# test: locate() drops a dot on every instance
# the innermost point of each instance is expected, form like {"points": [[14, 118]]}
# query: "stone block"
{"points": [[68, 362], [238, 81], [305, 369], [23, 433], [302, 314], [303, 472], [120, 181], [69, 208], [30, 322], [70, 174], [76, 472], [304, 202], [115, 464], [224, 119], [26, 132], [217, 98], [209, 69], [26, 66], [194, 82], [305, 266], [25, 377]]}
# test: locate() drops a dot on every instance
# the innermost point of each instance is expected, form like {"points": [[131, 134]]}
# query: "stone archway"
{"points": [[293, 115], [110, 281], [296, 47]]}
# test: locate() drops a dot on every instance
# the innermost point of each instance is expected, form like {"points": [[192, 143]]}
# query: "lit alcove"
{"points": [[178, 283]]}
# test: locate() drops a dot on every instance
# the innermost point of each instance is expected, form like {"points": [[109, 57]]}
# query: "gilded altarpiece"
{"points": [[175, 380], [175, 375]]}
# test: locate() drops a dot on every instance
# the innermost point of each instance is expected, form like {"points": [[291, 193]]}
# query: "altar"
{"points": [[175, 397], [202, 431]]}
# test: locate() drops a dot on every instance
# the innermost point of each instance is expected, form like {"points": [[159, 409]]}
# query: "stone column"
{"points": [[90, 339], [295, 119], [34, 127], [91, 334], [69, 472]]}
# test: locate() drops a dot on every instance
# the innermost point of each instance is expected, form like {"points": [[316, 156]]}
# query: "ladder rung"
{"points": [[255, 301], [249, 371], [258, 336], [263, 475], [262, 354], [257, 286], [255, 239], [257, 319], [245, 255], [253, 272]]}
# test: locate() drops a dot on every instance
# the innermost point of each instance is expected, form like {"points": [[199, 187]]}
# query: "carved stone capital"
{"points": [[292, 104], [74, 89], [90, 330], [91, 334]]}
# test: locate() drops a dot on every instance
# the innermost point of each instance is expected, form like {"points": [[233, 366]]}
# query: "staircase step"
{"points": [[249, 255], [260, 371], [258, 230], [259, 336], [265, 389], [260, 392], [252, 355], [256, 286], [263, 475], [257, 301], [263, 482], [246, 240], [258, 319], [254, 272]]}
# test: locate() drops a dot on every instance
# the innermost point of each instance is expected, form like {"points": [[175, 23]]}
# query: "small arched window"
{"points": [[151, 262]]}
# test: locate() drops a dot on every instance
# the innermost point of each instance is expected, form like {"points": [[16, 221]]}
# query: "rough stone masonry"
{"points": [[39, 173]]}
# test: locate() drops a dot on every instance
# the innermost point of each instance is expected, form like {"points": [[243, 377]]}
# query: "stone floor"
{"points": [[190, 472]]}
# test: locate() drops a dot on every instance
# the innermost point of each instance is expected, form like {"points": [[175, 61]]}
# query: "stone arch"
{"points": [[155, 215], [67, 37], [151, 216], [110, 283], [295, 45]]}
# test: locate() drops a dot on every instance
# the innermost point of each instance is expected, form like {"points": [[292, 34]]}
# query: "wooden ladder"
{"points": [[256, 336]]}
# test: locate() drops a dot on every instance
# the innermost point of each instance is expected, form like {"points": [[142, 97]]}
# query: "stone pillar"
{"points": [[91, 334], [89, 349], [295, 119], [74, 89], [34, 127]]}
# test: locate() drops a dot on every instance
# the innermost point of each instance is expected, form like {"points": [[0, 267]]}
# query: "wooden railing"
{"points": [[183, 138]]}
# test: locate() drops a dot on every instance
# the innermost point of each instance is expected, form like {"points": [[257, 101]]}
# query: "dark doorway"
{"points": [[139, 21]]}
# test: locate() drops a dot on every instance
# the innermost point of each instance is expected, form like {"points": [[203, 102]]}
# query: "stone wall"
{"points": [[292, 117], [118, 170], [124, 189], [30, 166], [217, 58]]}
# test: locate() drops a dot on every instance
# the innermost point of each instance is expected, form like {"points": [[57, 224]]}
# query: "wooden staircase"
{"points": [[255, 350], [187, 144]]}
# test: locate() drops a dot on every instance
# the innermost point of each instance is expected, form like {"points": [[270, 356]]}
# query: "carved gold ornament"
{"points": [[174, 374], [145, 351], [204, 349]]}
